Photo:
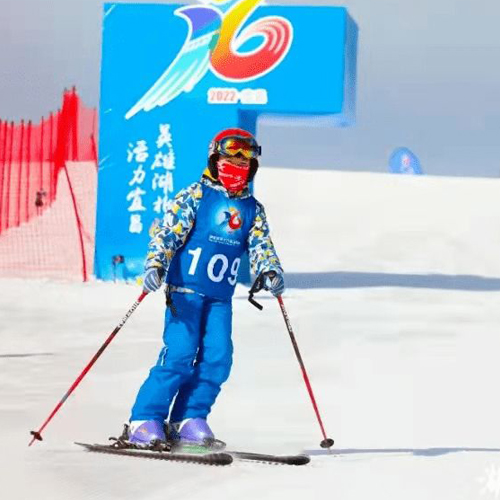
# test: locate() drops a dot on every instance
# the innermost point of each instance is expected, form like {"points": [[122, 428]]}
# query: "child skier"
{"points": [[197, 252]]}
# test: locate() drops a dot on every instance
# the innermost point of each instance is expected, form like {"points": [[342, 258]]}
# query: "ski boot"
{"points": [[194, 434], [148, 434]]}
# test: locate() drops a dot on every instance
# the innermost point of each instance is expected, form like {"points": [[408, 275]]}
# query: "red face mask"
{"points": [[232, 177]]}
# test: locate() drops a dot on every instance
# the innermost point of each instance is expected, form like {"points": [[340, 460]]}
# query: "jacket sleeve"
{"points": [[261, 249], [177, 223]]}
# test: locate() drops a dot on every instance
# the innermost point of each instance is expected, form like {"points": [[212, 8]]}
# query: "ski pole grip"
{"points": [[255, 303], [256, 287]]}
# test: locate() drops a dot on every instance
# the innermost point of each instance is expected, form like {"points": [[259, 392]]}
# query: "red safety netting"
{"points": [[40, 209]]}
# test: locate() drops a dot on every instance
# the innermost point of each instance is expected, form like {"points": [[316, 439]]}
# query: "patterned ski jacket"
{"points": [[179, 220]]}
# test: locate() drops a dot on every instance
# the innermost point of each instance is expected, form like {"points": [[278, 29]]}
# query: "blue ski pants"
{"points": [[194, 362]]}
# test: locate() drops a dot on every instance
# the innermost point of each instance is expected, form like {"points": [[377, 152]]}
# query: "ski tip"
{"points": [[301, 460], [84, 445]]}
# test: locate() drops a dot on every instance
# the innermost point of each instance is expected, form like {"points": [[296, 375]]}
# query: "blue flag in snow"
{"points": [[404, 161]]}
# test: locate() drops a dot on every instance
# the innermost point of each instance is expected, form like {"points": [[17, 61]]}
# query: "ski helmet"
{"points": [[234, 139]]}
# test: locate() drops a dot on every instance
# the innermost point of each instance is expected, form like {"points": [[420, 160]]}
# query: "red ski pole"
{"points": [[37, 435], [326, 442]]}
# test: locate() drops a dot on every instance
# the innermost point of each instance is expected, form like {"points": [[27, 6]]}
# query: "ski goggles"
{"points": [[231, 146]]}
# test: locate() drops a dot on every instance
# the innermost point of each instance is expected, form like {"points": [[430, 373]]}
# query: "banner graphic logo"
{"points": [[213, 42]]}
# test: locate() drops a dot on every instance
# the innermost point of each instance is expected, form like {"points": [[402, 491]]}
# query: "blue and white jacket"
{"points": [[180, 217]]}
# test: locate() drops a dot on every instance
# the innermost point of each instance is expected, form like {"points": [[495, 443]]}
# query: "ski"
{"points": [[270, 459], [198, 455], [245, 455], [217, 458]]}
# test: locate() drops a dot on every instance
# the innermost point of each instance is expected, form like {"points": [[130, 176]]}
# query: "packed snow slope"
{"points": [[394, 297]]}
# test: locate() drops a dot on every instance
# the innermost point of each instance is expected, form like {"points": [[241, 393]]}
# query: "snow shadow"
{"points": [[425, 452], [344, 279]]}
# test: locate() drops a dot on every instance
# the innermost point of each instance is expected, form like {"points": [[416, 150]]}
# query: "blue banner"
{"points": [[172, 76]]}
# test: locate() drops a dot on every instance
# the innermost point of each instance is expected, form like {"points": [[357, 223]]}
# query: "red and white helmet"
{"points": [[232, 141]]}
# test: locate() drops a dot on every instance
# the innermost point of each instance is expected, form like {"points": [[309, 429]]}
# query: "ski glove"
{"points": [[153, 278], [274, 283]]}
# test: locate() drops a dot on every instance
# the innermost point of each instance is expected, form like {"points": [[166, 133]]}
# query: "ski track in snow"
{"points": [[406, 378]]}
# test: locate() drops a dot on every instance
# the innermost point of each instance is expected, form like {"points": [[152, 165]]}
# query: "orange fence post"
{"points": [[11, 153], [51, 156], [3, 142], [42, 138], [75, 123], [28, 174], [19, 176]]}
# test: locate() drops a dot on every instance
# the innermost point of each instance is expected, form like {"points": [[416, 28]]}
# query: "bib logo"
{"points": [[230, 220], [215, 37]]}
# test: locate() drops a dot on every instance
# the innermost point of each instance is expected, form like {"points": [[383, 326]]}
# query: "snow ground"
{"points": [[403, 360]]}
